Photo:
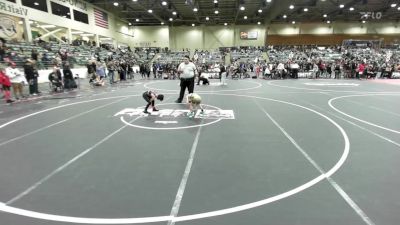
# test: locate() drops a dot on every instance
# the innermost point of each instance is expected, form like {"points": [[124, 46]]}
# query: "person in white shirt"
{"points": [[295, 69], [17, 80], [187, 71], [281, 70]]}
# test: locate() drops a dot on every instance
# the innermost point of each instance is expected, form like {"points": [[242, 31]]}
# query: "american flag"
{"points": [[100, 18]]}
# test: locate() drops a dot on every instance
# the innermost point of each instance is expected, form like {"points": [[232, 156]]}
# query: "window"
{"points": [[36, 4], [60, 10], [81, 17]]}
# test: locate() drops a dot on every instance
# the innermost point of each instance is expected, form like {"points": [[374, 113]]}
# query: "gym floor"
{"points": [[291, 152]]}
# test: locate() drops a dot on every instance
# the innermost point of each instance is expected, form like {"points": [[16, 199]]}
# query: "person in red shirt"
{"points": [[6, 83], [361, 69]]}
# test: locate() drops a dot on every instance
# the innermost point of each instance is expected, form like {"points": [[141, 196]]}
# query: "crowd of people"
{"points": [[122, 64], [332, 62]]}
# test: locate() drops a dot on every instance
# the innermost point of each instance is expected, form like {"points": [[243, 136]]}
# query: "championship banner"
{"points": [[10, 28]]}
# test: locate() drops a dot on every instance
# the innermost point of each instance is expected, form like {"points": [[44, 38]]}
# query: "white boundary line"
{"points": [[271, 83], [330, 102], [219, 91], [371, 107], [61, 168], [61, 106], [59, 122], [356, 125], [185, 177], [344, 195], [45, 216]]}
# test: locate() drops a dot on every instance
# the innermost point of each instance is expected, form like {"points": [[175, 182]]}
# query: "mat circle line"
{"points": [[172, 128], [271, 83], [330, 102], [59, 218], [241, 89]]}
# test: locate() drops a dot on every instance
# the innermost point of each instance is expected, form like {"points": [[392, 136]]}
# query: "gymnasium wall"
{"points": [[330, 34], [213, 37]]}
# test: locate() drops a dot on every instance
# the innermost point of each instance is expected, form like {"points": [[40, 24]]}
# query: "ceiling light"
{"points": [[364, 21], [20, 22], [351, 9], [215, 1], [36, 3], [193, 25], [268, 1], [284, 16], [260, 10], [170, 19], [291, 7], [164, 3], [216, 12], [242, 8], [134, 0], [195, 9], [393, 5], [162, 23], [328, 21], [150, 11], [245, 17], [130, 24], [293, 22], [225, 24], [325, 15], [137, 20], [398, 8], [258, 23], [116, 3], [173, 13], [341, 6], [305, 10], [207, 18]]}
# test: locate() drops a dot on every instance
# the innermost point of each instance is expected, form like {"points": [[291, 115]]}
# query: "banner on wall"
{"points": [[10, 28], [362, 43], [249, 35], [13, 8]]}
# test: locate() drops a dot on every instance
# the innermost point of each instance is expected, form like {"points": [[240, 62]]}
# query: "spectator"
{"points": [[17, 80], [31, 75], [6, 84], [69, 82]]}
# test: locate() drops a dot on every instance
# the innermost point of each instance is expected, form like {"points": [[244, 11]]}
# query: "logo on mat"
{"points": [[178, 113]]}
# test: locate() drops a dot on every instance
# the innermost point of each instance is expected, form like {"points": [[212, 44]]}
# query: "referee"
{"points": [[186, 70]]}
